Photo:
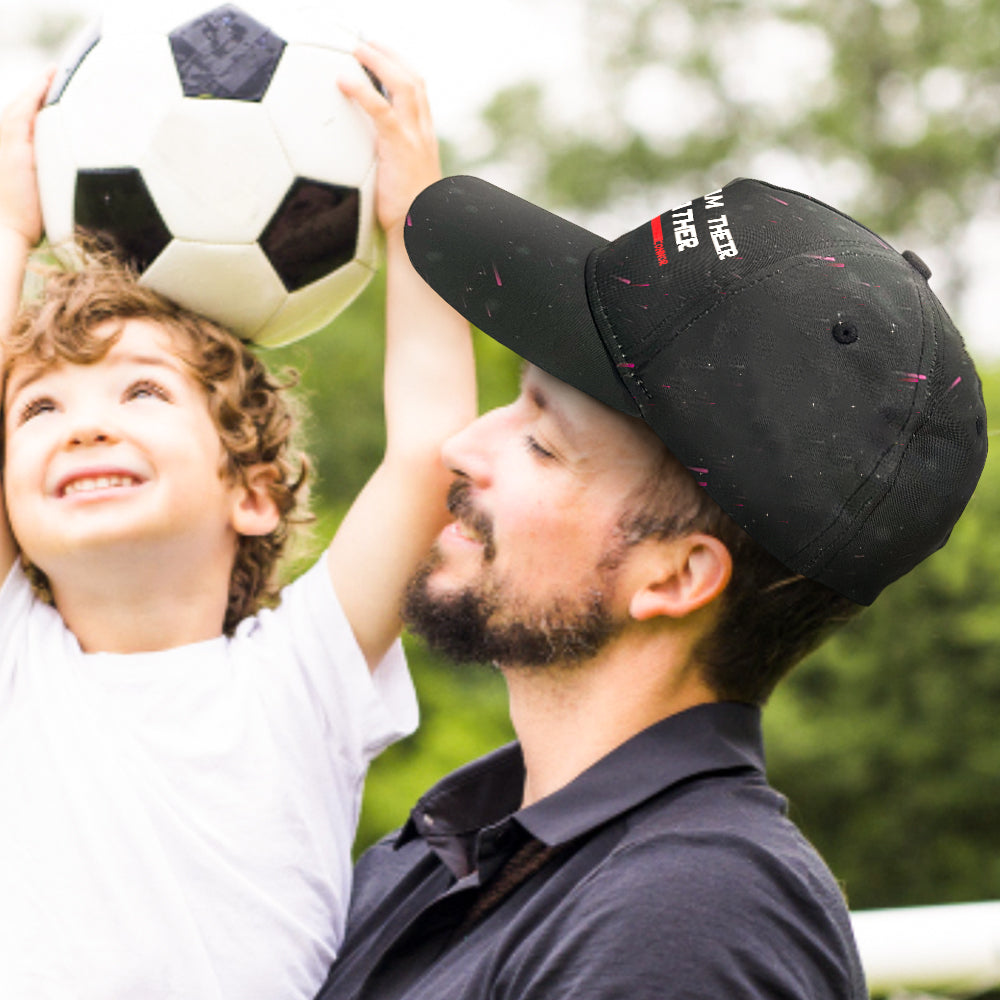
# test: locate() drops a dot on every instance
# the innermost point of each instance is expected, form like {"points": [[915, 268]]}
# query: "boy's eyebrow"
{"points": [[18, 382], [145, 360]]}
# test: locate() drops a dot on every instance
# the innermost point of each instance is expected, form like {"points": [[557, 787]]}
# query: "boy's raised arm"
{"points": [[20, 231], [429, 385]]}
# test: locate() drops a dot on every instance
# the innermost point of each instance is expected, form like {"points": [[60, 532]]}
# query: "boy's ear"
{"points": [[681, 576], [255, 511]]}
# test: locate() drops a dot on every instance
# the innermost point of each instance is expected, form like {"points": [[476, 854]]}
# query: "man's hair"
{"points": [[770, 618], [252, 410]]}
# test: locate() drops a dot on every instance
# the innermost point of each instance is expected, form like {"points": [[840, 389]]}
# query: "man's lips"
{"points": [[470, 523], [462, 531]]}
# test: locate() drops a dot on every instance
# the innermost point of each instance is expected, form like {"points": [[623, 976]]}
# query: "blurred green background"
{"points": [[885, 741]]}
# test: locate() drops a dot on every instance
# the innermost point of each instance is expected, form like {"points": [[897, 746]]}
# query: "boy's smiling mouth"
{"points": [[96, 482]]}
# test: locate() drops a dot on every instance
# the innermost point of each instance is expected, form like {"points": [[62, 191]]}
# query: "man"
{"points": [[738, 424]]}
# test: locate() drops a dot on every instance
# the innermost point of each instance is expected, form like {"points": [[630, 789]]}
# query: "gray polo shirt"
{"points": [[668, 869]]}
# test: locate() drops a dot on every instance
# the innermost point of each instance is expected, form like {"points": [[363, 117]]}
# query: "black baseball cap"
{"points": [[798, 365]]}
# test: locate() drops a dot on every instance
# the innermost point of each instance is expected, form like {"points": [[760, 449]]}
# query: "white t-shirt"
{"points": [[177, 825]]}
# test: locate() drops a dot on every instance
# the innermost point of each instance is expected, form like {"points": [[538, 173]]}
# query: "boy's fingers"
{"points": [[33, 97], [364, 92], [386, 64], [405, 87], [21, 111], [42, 84]]}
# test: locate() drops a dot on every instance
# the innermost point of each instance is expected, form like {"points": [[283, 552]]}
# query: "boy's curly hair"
{"points": [[252, 410]]}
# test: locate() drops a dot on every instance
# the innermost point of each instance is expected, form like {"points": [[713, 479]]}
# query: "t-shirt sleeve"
{"points": [[17, 601], [309, 635], [15, 594]]}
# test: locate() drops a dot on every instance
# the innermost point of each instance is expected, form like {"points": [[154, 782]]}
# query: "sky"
{"points": [[463, 52]]}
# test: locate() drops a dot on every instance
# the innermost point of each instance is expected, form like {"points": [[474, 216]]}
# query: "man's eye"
{"points": [[536, 448]]}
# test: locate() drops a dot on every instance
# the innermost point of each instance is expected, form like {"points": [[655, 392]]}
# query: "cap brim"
{"points": [[518, 273]]}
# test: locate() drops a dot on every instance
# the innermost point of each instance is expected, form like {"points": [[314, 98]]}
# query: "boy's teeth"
{"points": [[97, 483]]}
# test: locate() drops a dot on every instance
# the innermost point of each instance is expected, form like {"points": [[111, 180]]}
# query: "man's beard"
{"points": [[484, 622]]}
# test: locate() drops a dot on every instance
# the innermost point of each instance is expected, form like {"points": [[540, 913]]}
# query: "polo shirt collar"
{"points": [[486, 793]]}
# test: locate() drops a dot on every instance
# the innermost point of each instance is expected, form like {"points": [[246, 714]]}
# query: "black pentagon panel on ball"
{"points": [[226, 54], [313, 232], [115, 205], [66, 71]]}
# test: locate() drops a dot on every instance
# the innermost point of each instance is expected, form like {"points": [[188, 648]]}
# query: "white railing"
{"points": [[952, 949]]}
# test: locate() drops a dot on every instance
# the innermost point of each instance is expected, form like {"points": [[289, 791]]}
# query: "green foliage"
{"points": [[463, 715], [884, 740], [340, 370]]}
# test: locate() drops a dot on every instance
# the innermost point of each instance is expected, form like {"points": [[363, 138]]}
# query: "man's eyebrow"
{"points": [[545, 404]]}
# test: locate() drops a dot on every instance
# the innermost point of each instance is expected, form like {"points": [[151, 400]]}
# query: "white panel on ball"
{"points": [[328, 136], [205, 189], [56, 174], [308, 309], [234, 284], [131, 78], [370, 238], [311, 23]]}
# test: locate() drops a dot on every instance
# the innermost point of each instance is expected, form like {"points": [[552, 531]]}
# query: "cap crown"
{"points": [[805, 373]]}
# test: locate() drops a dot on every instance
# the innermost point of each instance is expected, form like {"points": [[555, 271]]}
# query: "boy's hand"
{"points": [[20, 209], [429, 384], [408, 157]]}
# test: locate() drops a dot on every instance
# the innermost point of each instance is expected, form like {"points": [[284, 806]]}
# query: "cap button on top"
{"points": [[917, 264]]}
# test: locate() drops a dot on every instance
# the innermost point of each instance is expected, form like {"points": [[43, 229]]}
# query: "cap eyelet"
{"points": [[845, 333]]}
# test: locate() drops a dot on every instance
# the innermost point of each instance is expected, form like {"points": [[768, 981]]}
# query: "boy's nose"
{"points": [[90, 435]]}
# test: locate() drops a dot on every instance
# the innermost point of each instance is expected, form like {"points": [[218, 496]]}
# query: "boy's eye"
{"points": [[34, 408], [146, 388]]}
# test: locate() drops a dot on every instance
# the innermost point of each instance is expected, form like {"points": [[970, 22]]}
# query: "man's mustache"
{"points": [[462, 509]]}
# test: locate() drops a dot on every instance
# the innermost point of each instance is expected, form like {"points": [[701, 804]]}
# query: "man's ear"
{"points": [[255, 511], [682, 575]]}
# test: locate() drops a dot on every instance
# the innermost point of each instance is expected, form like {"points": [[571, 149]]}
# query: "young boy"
{"points": [[181, 770]]}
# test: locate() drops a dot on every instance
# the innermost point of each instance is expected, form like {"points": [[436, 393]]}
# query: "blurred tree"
{"points": [[887, 108], [340, 372], [463, 715]]}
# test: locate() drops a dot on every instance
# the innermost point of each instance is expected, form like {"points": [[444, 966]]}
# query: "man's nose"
{"points": [[468, 452]]}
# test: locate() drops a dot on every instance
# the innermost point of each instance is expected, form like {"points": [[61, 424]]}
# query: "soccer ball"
{"points": [[214, 149]]}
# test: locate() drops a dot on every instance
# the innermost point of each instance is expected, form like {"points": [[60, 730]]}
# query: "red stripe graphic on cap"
{"points": [[658, 248]]}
